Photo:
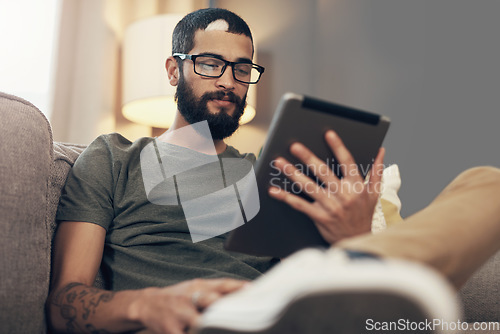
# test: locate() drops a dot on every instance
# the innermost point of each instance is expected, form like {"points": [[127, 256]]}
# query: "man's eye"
{"points": [[210, 66], [243, 71]]}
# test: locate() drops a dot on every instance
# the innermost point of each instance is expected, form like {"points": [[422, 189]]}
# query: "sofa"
{"points": [[33, 169]]}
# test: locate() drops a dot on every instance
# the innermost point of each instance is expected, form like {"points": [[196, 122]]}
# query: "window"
{"points": [[29, 43]]}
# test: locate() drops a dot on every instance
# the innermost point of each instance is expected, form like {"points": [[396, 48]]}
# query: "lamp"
{"points": [[148, 97]]}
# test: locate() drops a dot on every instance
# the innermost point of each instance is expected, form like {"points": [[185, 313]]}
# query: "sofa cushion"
{"points": [[481, 293], [25, 163]]}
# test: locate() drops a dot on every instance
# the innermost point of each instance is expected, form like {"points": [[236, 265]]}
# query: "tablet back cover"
{"points": [[278, 230]]}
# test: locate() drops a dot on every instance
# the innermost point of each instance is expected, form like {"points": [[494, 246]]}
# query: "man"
{"points": [[104, 209], [152, 264]]}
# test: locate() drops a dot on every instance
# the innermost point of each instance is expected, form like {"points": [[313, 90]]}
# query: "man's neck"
{"points": [[191, 139]]}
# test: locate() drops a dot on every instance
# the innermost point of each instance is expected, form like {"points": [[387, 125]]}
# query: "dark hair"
{"points": [[183, 35]]}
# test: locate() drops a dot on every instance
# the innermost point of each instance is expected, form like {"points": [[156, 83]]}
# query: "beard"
{"points": [[222, 125]]}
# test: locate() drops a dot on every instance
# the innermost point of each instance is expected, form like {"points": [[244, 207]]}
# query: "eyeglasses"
{"points": [[214, 67]]}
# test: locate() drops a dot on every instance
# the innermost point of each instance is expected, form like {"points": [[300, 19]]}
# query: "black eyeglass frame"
{"points": [[259, 68]]}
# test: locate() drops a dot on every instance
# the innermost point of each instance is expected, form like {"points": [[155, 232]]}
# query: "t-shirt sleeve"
{"points": [[88, 193]]}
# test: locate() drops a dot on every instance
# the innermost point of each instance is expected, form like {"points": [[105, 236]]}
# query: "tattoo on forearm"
{"points": [[71, 300]]}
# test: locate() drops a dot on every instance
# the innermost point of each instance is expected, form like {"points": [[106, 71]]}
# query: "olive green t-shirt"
{"points": [[146, 244]]}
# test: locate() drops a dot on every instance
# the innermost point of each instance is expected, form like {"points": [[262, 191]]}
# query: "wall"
{"points": [[430, 65]]}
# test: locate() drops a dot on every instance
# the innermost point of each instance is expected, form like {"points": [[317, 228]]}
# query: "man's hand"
{"points": [[176, 309], [342, 207]]}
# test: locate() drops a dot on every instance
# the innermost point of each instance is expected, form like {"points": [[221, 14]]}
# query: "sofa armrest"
{"points": [[26, 158]]}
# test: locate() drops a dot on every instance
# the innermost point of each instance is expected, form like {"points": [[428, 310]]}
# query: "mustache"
{"points": [[219, 95]]}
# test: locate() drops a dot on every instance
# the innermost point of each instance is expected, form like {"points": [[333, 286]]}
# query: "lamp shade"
{"points": [[147, 96]]}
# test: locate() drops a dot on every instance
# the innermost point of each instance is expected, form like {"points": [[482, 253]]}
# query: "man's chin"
{"points": [[216, 107]]}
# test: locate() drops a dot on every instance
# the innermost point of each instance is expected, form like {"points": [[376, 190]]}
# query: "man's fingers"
{"points": [[206, 299], [189, 316], [347, 164], [225, 285], [375, 182], [300, 204], [320, 169], [208, 291], [301, 182]]}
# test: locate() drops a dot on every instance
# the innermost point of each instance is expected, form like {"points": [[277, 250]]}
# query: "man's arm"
{"points": [[75, 306]]}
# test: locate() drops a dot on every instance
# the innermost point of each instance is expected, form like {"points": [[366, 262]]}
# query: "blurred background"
{"points": [[432, 66]]}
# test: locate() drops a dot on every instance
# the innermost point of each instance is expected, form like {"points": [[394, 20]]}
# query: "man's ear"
{"points": [[172, 70]]}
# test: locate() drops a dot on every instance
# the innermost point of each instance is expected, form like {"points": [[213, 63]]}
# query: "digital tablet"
{"points": [[277, 229]]}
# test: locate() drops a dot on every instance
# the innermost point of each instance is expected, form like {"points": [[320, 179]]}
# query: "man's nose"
{"points": [[226, 81]]}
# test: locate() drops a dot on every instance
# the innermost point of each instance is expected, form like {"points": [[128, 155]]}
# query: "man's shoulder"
{"points": [[232, 152], [117, 140], [112, 148], [116, 144]]}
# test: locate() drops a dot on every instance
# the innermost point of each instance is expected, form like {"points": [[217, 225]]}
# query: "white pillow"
{"points": [[387, 211]]}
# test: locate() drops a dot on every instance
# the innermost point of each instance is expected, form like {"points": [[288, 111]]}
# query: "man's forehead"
{"points": [[220, 41]]}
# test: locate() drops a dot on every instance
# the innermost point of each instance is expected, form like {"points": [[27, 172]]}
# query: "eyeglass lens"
{"points": [[212, 67]]}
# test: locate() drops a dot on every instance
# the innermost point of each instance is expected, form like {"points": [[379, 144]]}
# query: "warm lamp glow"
{"points": [[155, 112], [148, 97], [248, 114]]}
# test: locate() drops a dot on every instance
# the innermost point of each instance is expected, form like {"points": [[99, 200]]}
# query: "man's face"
{"points": [[220, 101]]}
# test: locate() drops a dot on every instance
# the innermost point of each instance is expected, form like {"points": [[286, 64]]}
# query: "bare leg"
{"points": [[455, 234]]}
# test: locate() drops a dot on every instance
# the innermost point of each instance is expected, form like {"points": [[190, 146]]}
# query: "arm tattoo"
{"points": [[78, 305]]}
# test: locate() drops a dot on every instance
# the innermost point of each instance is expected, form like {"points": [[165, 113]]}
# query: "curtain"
{"points": [[87, 93]]}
